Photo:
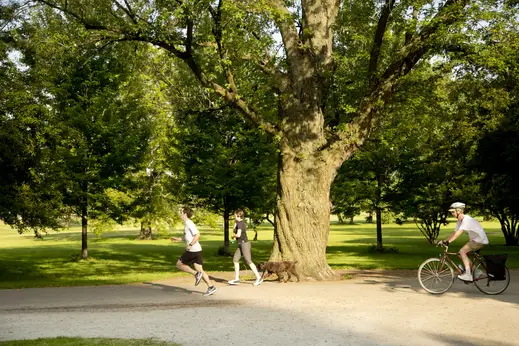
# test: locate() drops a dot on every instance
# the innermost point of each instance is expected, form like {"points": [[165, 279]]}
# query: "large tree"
{"points": [[230, 47]]}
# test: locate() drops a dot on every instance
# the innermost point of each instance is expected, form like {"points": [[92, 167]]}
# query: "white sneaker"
{"points": [[465, 277], [234, 282], [258, 282]]}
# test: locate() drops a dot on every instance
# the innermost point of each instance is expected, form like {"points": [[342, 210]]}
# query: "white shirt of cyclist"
{"points": [[473, 229], [190, 231]]}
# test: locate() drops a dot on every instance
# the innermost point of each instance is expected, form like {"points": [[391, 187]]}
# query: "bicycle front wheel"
{"points": [[435, 277], [485, 284]]}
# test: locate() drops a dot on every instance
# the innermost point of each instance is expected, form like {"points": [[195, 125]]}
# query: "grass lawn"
{"points": [[117, 257]]}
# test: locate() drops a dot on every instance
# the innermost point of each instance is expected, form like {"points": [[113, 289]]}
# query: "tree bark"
{"points": [[84, 235], [226, 215], [303, 215], [378, 213], [145, 231]]}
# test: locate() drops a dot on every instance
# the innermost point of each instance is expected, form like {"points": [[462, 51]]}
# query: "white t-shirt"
{"points": [[473, 228], [190, 231]]}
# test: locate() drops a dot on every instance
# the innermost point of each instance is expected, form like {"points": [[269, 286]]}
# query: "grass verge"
{"points": [[118, 257]]}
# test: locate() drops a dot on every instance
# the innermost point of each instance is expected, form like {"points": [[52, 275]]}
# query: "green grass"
{"points": [[348, 246], [117, 257], [62, 341]]}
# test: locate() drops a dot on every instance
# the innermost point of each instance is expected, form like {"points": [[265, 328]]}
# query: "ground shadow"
{"points": [[170, 288]]}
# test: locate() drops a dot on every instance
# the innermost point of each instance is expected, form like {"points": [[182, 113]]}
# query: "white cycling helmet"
{"points": [[457, 206]]}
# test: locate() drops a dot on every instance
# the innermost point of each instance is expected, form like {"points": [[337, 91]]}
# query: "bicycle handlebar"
{"points": [[441, 243]]}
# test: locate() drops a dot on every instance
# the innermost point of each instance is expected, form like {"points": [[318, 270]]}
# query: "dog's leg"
{"points": [[296, 275], [263, 274], [293, 271]]}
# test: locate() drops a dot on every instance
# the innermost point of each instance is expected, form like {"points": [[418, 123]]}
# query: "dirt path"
{"points": [[373, 308]]}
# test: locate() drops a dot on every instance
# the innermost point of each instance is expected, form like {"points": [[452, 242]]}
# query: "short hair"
{"points": [[188, 211], [239, 213]]}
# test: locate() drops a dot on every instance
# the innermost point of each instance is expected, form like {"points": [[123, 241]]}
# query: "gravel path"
{"points": [[373, 308]]}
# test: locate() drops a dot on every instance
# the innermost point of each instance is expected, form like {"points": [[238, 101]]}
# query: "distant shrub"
{"points": [[385, 249], [222, 252]]}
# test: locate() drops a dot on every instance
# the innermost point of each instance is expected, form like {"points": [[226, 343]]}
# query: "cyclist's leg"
{"points": [[465, 258], [471, 246]]}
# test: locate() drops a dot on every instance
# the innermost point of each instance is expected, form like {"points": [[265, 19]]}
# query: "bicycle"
{"points": [[436, 275]]}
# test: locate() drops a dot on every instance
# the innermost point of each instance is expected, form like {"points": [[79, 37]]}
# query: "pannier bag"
{"points": [[496, 266]]}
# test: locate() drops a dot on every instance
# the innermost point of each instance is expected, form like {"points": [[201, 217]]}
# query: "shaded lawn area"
{"points": [[117, 257]]}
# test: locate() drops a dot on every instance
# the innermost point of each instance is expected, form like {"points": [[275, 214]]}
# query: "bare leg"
{"points": [[208, 281], [465, 258], [185, 268]]}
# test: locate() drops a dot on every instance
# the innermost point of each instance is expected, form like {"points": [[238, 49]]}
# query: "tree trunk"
{"points": [[378, 212], [509, 227], [84, 235], [303, 216], [145, 233], [226, 214]]}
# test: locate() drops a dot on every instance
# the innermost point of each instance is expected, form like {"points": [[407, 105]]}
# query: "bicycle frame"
{"points": [[474, 257]]}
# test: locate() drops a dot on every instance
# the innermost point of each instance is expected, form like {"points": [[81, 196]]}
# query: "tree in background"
{"points": [[26, 201], [498, 150], [227, 163], [154, 188], [97, 128]]}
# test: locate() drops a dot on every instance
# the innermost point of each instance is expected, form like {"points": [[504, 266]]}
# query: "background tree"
{"points": [[96, 129], [154, 188], [26, 202], [228, 165], [496, 62]]}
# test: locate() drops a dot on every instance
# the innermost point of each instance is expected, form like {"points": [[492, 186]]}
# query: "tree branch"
{"points": [[139, 34], [379, 37], [128, 10], [240, 104], [287, 28], [355, 133]]}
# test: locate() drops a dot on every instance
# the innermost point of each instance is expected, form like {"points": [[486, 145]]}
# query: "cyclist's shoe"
{"points": [[198, 278], [234, 282], [465, 277], [210, 291]]}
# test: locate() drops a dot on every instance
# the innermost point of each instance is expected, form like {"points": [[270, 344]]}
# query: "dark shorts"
{"points": [[191, 257]]}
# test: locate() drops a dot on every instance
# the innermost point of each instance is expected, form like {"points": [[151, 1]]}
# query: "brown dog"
{"points": [[279, 268]]}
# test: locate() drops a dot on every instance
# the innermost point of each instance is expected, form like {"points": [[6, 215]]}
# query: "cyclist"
{"points": [[476, 233]]}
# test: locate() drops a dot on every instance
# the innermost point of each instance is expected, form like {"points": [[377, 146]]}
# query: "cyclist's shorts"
{"points": [[475, 246]]}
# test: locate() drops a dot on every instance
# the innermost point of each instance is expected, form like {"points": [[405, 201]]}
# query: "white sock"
{"points": [[236, 271]]}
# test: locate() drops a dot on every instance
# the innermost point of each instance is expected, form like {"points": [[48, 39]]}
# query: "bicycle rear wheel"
{"points": [[485, 284], [435, 277]]}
